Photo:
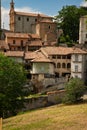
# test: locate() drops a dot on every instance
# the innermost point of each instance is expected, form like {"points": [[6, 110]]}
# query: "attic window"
{"points": [[19, 18]]}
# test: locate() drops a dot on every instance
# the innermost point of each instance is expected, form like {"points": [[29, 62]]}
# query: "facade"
{"points": [[40, 24], [83, 30], [78, 64]]}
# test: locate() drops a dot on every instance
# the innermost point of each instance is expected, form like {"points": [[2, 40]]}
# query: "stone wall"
{"points": [[55, 97], [52, 98], [34, 103]]}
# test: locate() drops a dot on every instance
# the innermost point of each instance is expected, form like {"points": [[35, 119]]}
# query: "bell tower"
{"points": [[12, 16], [11, 5]]}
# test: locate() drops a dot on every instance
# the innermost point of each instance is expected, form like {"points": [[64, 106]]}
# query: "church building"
{"points": [[43, 25]]}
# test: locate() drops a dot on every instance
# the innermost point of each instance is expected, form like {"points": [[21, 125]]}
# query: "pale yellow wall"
{"points": [[47, 68]]}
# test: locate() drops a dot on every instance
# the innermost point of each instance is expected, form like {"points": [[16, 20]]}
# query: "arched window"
{"points": [[58, 65], [63, 65], [68, 65]]}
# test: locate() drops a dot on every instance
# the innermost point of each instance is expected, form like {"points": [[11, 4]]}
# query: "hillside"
{"points": [[58, 117]]}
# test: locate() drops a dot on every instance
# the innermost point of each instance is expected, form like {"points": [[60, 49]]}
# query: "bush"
{"points": [[75, 89]]}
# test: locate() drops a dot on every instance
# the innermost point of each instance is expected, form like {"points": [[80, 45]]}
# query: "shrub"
{"points": [[75, 89]]}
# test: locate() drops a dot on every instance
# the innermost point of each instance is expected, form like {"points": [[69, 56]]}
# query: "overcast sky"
{"points": [[49, 7]]}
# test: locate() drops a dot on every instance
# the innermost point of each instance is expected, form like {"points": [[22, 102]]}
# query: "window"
{"points": [[19, 18], [27, 19], [86, 35], [63, 65], [85, 42], [49, 27], [54, 65], [54, 56], [68, 65], [58, 65], [76, 57], [35, 20], [13, 41], [22, 43], [69, 57], [58, 57], [63, 57], [76, 68]]}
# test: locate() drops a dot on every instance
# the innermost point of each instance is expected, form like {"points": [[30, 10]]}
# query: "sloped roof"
{"points": [[14, 53], [78, 51], [57, 50], [36, 56], [41, 58], [32, 14], [30, 55], [17, 35], [21, 35], [62, 50]]}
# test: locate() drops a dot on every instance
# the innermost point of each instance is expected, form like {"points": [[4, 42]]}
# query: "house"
{"points": [[17, 56], [41, 66], [79, 64], [22, 41]]}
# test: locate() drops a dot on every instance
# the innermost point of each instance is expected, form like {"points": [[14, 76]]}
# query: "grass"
{"points": [[58, 117]]}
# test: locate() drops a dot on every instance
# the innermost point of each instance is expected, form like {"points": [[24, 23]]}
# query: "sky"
{"points": [[48, 7]]}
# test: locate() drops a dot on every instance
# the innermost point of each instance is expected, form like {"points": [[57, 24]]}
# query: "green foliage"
{"points": [[75, 89], [12, 79], [68, 20]]}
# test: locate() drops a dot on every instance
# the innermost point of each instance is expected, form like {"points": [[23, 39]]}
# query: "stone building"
{"points": [[83, 31], [79, 63], [40, 24]]}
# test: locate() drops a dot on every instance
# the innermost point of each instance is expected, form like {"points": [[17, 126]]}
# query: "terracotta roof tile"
{"points": [[78, 51], [36, 56], [30, 55], [22, 35], [33, 14], [57, 50], [14, 53], [17, 35], [62, 50]]}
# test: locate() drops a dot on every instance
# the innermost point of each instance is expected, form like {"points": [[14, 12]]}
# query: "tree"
{"points": [[68, 20], [12, 79], [74, 89]]}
